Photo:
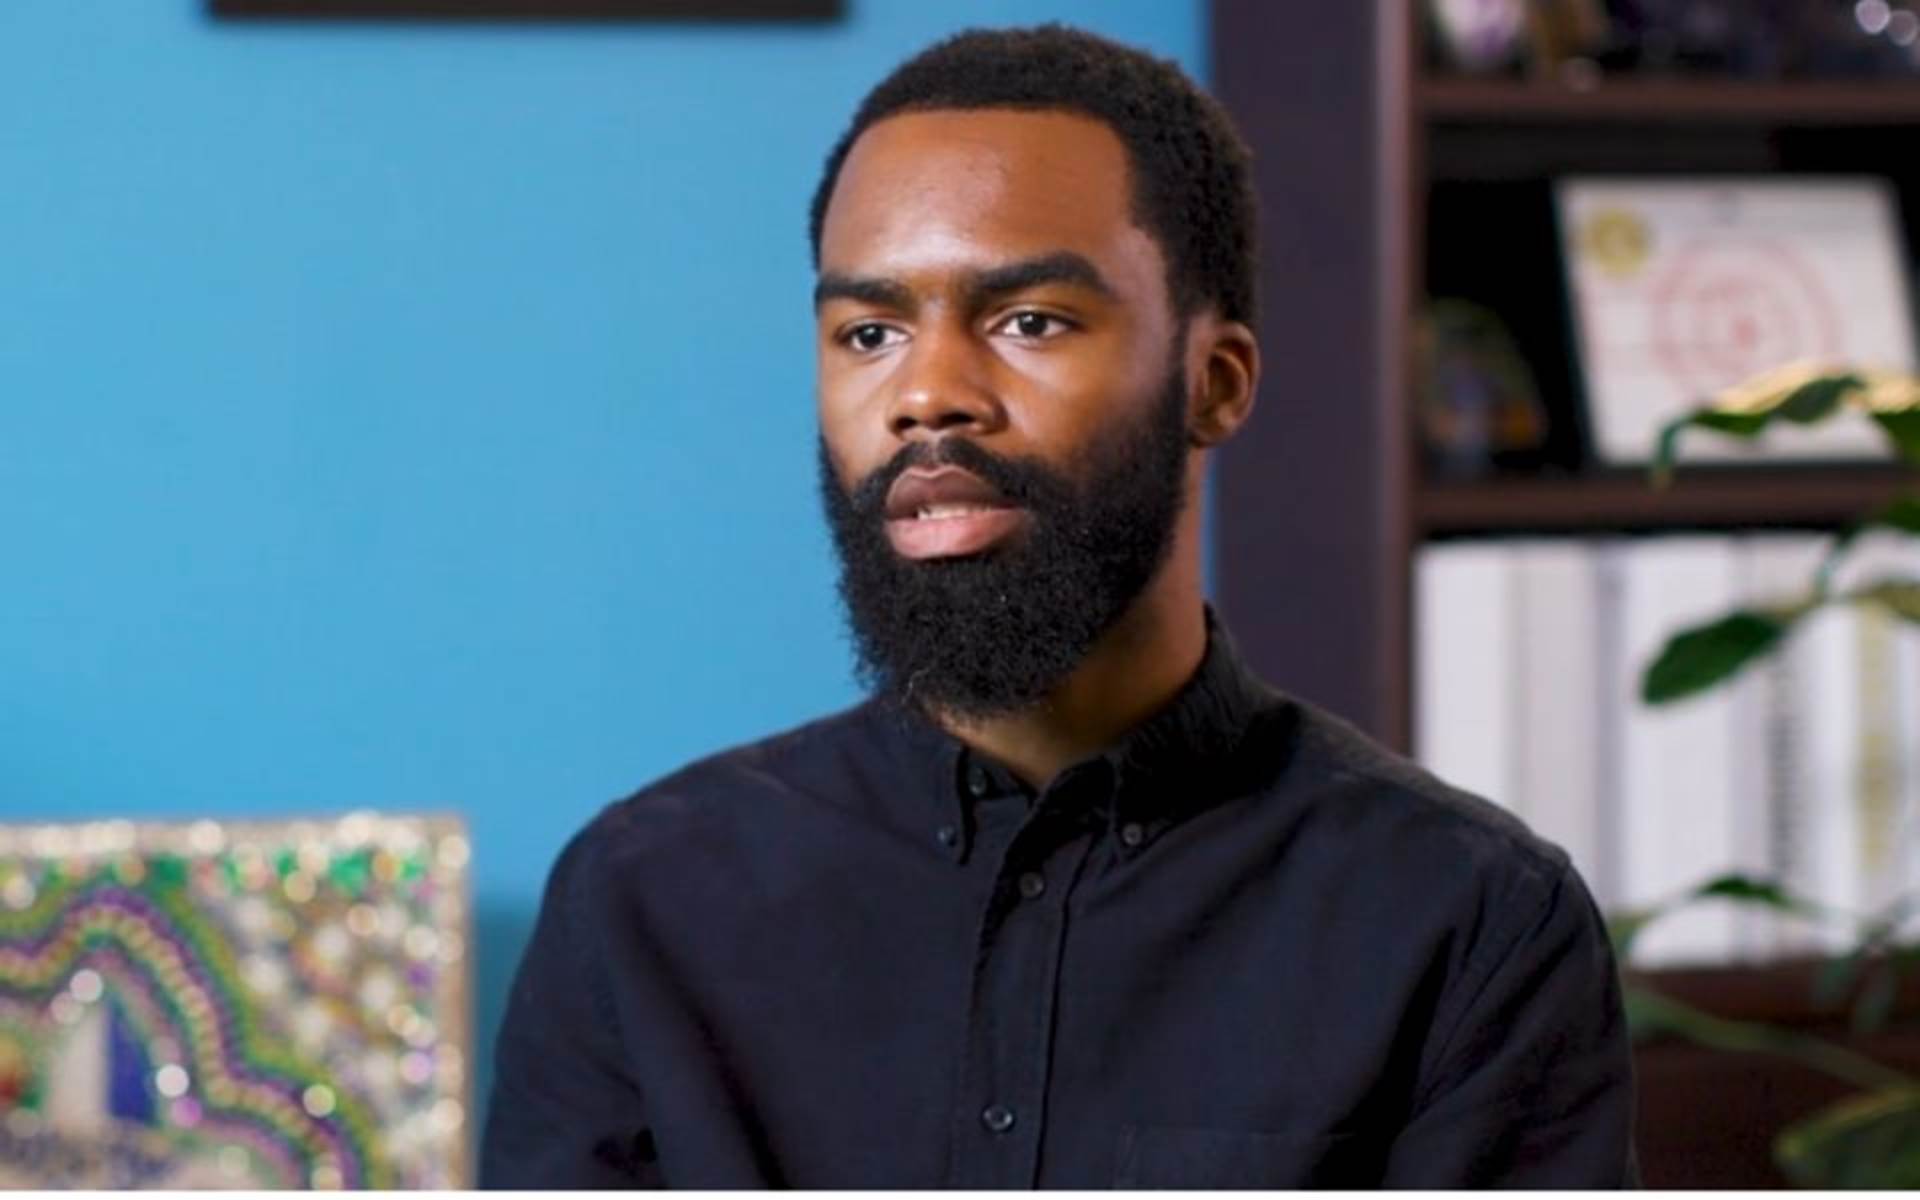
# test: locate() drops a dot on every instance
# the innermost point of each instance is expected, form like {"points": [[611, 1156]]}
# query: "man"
{"points": [[1073, 901]]}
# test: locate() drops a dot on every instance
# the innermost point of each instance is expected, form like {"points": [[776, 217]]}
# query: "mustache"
{"points": [[1014, 479]]}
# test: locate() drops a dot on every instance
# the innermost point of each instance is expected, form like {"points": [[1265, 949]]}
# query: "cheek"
{"points": [[1069, 400], [856, 444]]}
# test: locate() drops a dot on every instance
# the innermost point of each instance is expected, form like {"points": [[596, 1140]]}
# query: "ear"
{"points": [[1223, 360]]}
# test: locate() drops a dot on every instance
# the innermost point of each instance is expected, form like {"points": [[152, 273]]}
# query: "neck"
{"points": [[1135, 668]]}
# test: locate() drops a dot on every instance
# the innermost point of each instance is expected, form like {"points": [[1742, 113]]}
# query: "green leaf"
{"points": [[1875, 1004], [1663, 1014], [1903, 514], [1624, 926], [1789, 395], [1836, 977], [1699, 658], [1816, 399], [1749, 890], [1902, 427], [1644, 1014], [1870, 1141], [1733, 424], [1666, 448]]}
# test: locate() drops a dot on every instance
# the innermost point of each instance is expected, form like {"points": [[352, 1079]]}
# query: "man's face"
{"points": [[1002, 400]]}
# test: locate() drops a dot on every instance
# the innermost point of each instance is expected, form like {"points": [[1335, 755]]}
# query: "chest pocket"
{"points": [[1160, 1156]]}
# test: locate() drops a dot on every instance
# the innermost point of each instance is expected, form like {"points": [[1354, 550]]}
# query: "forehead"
{"points": [[927, 189]]}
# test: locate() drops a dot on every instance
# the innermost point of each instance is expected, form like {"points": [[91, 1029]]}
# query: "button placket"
{"points": [[1005, 1078]]}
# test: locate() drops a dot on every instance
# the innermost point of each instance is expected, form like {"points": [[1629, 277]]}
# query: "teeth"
{"points": [[940, 512]]}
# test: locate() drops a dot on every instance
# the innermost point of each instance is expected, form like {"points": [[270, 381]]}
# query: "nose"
{"points": [[943, 387]]}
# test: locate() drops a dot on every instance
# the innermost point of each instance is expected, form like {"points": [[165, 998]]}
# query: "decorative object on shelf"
{"points": [[1863, 39], [1479, 408], [1871, 1139], [1477, 37], [1761, 39], [234, 1004], [1727, 37], [1565, 37], [1681, 289]]}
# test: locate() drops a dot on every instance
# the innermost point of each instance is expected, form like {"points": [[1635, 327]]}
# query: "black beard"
{"points": [[993, 634]]}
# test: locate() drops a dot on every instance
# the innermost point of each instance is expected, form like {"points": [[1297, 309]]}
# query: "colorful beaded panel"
{"points": [[234, 1004]]}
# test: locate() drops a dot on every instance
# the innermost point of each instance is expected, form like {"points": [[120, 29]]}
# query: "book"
{"points": [[1803, 768], [1675, 792], [1464, 679], [1556, 661], [1777, 571]]}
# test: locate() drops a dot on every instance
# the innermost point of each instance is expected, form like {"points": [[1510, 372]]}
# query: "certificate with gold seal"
{"points": [[1682, 288]]}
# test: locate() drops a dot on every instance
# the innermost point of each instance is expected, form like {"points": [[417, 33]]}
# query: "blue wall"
{"points": [[417, 417]]}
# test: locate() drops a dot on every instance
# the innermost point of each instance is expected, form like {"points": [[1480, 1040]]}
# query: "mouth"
{"points": [[948, 513]]}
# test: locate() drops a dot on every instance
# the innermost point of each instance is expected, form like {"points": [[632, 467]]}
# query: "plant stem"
{"points": [[1722, 1034]]}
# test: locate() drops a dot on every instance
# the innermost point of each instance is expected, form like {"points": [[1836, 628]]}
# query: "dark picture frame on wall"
{"points": [[534, 10]]}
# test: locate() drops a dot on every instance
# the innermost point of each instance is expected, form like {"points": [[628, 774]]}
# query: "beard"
{"points": [[993, 634]]}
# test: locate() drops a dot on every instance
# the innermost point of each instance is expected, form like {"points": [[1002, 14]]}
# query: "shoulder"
{"points": [[807, 765], [1436, 877], [1376, 814]]}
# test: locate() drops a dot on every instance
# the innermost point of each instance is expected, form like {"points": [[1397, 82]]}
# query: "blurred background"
{"points": [[419, 416]]}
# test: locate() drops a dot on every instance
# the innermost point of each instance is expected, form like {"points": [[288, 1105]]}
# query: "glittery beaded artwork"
{"points": [[234, 1004]]}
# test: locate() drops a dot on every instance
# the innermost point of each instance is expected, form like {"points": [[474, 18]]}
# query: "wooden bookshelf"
{"points": [[1815, 103], [1378, 184], [1698, 498]]}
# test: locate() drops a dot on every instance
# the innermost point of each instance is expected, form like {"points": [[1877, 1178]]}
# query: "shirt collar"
{"points": [[1179, 760]]}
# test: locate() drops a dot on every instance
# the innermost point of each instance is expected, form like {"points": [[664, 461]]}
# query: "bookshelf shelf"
{"points": [[1699, 498], [1382, 186], [1811, 103]]}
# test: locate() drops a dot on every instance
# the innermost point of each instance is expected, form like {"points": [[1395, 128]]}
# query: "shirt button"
{"points": [[1132, 834], [997, 1117], [947, 836], [977, 782], [1032, 884]]}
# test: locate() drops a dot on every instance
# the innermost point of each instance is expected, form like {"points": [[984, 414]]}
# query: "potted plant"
{"points": [[1872, 1138]]}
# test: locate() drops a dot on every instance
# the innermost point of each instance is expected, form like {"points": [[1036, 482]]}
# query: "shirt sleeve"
{"points": [[565, 1112], [1529, 1082]]}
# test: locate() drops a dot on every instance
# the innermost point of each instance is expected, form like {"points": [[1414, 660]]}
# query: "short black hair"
{"points": [[1191, 173]]}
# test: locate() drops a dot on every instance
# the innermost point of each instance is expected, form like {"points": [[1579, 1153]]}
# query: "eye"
{"points": [[869, 336], [1034, 326]]}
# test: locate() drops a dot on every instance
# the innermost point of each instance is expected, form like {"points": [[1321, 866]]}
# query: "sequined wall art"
{"points": [[235, 1004]]}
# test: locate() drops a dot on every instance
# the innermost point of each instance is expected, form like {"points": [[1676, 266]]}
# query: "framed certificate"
{"points": [[235, 1004], [1681, 288]]}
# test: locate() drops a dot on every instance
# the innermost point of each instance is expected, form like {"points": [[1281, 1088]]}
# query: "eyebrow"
{"points": [[1062, 266]]}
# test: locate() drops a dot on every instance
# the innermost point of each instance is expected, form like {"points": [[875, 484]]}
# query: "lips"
{"points": [[947, 512]]}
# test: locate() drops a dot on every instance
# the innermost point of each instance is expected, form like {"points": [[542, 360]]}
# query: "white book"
{"points": [[1775, 813], [1557, 666], [1887, 735], [1907, 655], [1464, 694], [1676, 791], [1826, 650], [1880, 796]]}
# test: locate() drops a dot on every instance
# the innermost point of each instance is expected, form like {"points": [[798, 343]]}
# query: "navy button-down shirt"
{"points": [[1245, 947]]}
